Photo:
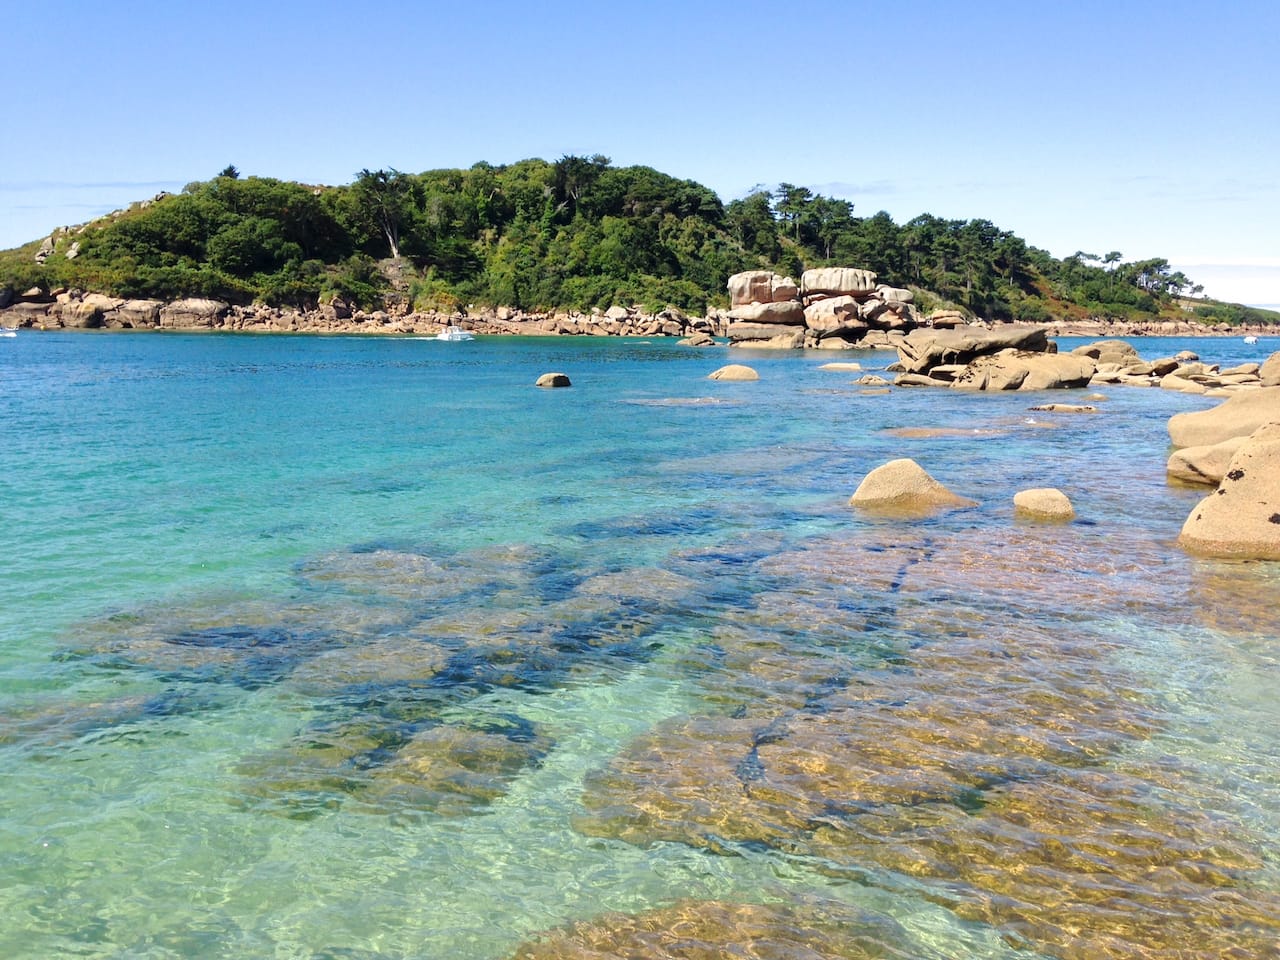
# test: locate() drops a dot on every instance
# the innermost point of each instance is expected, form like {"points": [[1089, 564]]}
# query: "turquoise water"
{"points": [[361, 648]]}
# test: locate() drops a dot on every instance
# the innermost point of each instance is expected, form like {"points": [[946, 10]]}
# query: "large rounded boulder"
{"points": [[1237, 416], [905, 485], [1241, 519]]}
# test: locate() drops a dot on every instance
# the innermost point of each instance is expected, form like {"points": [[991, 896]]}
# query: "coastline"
{"points": [[66, 311]]}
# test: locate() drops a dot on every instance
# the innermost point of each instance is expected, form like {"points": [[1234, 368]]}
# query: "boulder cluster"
{"points": [[1233, 447], [832, 307], [1025, 358], [75, 309]]}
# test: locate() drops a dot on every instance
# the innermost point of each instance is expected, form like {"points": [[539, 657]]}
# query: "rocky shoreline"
{"points": [[75, 310]]}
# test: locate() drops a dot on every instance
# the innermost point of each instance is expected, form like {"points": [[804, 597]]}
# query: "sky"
{"points": [[1148, 128]]}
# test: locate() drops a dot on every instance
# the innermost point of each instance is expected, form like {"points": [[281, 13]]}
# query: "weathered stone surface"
{"points": [[1046, 503], [872, 380], [923, 349], [895, 294], [905, 485], [760, 286], [193, 312], [1270, 370], [1241, 519], [554, 380], [734, 372], [784, 338], [1020, 370], [1109, 351], [831, 313], [1237, 416], [789, 312], [1206, 464], [838, 281], [842, 366]]}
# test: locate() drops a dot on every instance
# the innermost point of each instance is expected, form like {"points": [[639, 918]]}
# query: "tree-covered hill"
{"points": [[577, 233]]}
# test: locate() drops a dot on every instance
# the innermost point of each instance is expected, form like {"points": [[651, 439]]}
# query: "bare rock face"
{"points": [[760, 286], [1237, 416], [1020, 370], [1043, 503], [924, 349], [788, 312], [905, 485], [831, 313], [1270, 371], [838, 281], [194, 312], [1208, 464], [734, 372], [1109, 351], [1241, 519]]}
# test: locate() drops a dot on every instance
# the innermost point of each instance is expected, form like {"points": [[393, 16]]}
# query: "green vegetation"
{"points": [[576, 233]]}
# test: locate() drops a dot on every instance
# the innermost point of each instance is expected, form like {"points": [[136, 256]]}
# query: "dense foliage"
{"points": [[576, 233]]}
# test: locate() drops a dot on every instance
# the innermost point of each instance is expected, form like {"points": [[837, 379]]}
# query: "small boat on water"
{"points": [[8, 332], [1251, 339], [454, 334]]}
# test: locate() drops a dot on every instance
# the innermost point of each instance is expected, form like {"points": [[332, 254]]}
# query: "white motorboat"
{"points": [[1251, 339], [454, 334], [8, 332]]}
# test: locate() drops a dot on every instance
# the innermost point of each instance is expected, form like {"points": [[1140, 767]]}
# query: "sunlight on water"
{"points": [[365, 648]]}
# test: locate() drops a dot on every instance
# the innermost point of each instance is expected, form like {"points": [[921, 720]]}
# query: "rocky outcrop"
{"points": [[903, 485], [760, 286], [193, 313], [921, 350], [1241, 519], [788, 312], [837, 307], [1021, 370], [838, 282], [1237, 416]]}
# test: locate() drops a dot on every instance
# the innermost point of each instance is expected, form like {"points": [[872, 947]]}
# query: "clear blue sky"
{"points": [[1151, 128]]}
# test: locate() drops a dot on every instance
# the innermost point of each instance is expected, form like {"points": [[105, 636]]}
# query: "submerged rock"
{"points": [[702, 930]]}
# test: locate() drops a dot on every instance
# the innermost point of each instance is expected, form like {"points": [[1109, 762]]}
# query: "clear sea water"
{"points": [[341, 647]]}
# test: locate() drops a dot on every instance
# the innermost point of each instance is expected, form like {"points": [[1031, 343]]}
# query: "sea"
{"points": [[344, 647]]}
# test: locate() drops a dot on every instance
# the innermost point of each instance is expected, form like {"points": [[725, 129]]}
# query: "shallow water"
{"points": [[344, 647]]}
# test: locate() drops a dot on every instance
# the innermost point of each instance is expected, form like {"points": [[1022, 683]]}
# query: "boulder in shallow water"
{"points": [[1241, 519], [905, 485], [554, 380], [734, 371], [1043, 503]]}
